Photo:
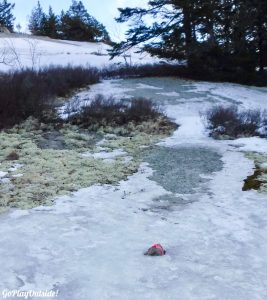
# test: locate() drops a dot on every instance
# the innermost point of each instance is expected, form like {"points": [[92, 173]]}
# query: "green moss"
{"points": [[252, 182]]}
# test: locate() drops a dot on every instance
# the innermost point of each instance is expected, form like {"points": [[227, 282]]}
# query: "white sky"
{"points": [[103, 10]]}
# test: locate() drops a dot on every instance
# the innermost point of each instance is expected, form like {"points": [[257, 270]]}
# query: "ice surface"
{"points": [[2, 174], [180, 169], [90, 245]]}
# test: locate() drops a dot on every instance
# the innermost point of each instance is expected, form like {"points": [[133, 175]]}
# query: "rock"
{"points": [[155, 250], [12, 156]]}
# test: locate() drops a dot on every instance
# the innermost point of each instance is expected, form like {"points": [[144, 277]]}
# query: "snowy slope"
{"points": [[31, 52]]}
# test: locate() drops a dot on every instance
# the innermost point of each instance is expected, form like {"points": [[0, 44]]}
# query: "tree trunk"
{"points": [[188, 35], [260, 45]]}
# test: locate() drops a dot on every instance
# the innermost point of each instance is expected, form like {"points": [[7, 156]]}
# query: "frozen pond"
{"points": [[186, 195], [170, 91]]}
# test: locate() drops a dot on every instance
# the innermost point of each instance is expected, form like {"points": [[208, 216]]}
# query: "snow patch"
{"points": [[170, 94], [147, 86], [3, 174], [255, 144], [105, 154]]}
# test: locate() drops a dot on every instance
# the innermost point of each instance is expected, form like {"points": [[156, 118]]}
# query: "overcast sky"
{"points": [[103, 10]]}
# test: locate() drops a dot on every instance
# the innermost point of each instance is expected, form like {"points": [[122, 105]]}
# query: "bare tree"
{"points": [[35, 55], [4, 59], [10, 55]]}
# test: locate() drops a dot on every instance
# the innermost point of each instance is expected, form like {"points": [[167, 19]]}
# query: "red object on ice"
{"points": [[160, 248]]}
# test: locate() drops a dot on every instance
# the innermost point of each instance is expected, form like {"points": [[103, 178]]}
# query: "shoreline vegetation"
{"points": [[163, 69], [43, 156], [229, 123], [101, 143], [258, 180], [30, 92]]}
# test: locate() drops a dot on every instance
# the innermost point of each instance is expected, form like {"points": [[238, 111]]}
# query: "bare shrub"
{"points": [[181, 70], [22, 94], [142, 109], [102, 112], [62, 80], [32, 93], [229, 122], [147, 70]]}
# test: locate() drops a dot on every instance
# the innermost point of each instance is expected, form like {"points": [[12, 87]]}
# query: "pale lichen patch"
{"points": [[41, 174], [258, 180]]}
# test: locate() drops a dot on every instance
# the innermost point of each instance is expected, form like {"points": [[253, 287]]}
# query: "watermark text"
{"points": [[29, 294]]}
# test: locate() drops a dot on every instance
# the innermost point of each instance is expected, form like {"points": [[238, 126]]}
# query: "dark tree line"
{"points": [[215, 35], [74, 24]]}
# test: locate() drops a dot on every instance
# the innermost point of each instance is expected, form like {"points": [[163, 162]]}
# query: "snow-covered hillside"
{"points": [[27, 51]]}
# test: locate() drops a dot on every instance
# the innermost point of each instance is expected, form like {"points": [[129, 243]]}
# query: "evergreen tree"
{"points": [[219, 35], [77, 10], [6, 16], [75, 24], [78, 24], [102, 33], [258, 17], [37, 20], [63, 27], [51, 24], [172, 36]]}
